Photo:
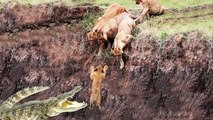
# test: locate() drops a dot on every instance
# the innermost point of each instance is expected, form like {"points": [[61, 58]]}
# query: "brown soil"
{"points": [[20, 17], [206, 7], [186, 19], [191, 9], [161, 80]]}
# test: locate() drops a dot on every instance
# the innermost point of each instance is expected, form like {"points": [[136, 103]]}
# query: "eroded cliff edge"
{"points": [[161, 80]]}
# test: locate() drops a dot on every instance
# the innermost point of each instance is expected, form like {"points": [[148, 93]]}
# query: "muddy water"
{"points": [[162, 80]]}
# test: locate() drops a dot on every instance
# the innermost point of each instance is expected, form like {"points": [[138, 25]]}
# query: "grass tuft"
{"points": [[88, 22]]}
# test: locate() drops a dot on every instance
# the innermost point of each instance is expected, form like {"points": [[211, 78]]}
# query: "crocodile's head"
{"points": [[62, 103]]}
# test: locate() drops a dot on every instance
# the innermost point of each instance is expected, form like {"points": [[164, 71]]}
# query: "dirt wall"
{"points": [[162, 80]]}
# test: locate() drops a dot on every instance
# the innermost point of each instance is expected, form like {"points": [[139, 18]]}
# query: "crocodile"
{"points": [[39, 110]]}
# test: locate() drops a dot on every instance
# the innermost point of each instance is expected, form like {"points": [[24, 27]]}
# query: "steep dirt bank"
{"points": [[160, 81], [15, 17]]}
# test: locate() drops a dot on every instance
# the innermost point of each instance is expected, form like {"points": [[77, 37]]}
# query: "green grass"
{"points": [[163, 30], [129, 4], [33, 2], [169, 24], [183, 3], [88, 22], [36, 2], [206, 26], [179, 4], [154, 25]]}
